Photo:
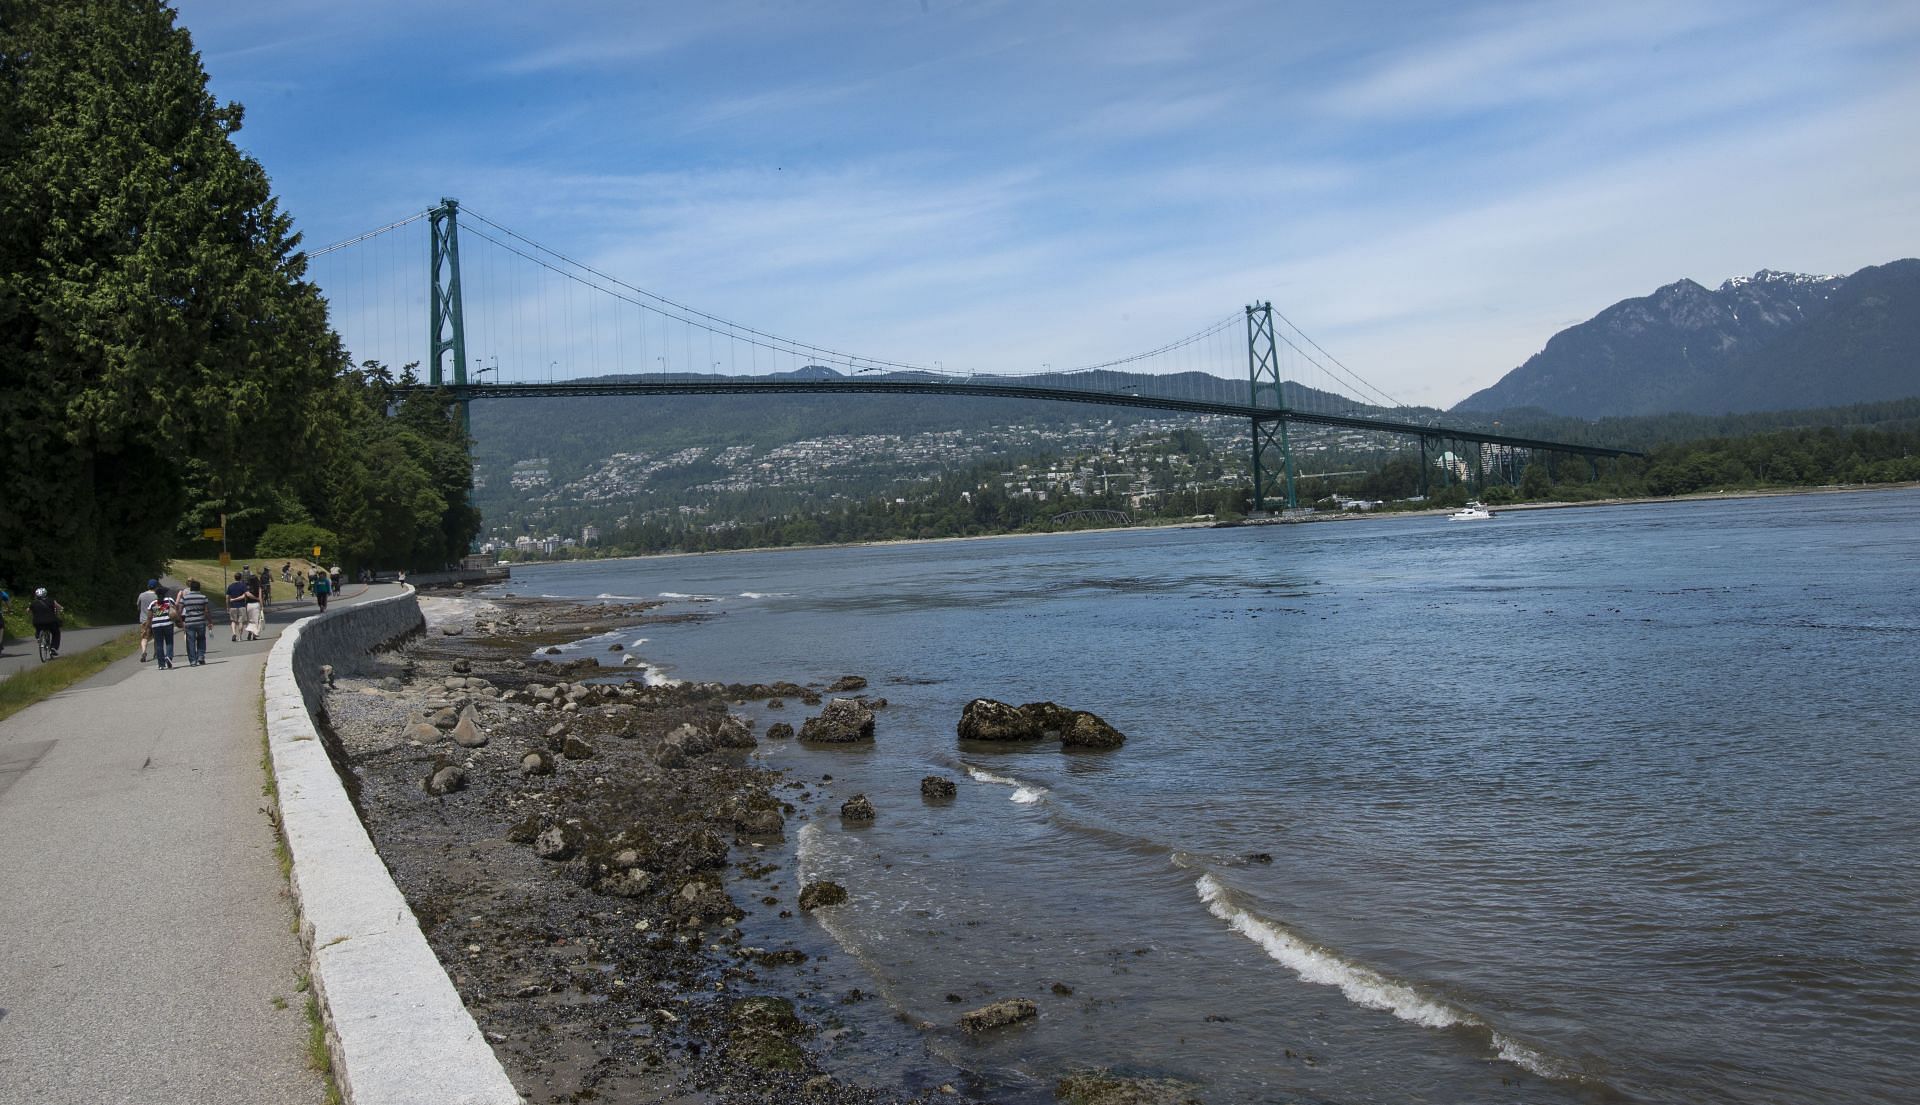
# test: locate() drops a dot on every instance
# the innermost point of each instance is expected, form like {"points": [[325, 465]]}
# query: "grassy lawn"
{"points": [[32, 684], [208, 571]]}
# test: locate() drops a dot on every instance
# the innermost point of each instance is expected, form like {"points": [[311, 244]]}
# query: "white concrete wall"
{"points": [[397, 1029]]}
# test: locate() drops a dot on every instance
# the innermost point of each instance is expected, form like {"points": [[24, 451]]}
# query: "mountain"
{"points": [[1770, 341]]}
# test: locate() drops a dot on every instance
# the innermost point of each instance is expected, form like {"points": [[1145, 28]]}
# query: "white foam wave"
{"points": [[688, 598], [1024, 793], [1362, 985], [623, 598], [766, 594], [982, 775]]}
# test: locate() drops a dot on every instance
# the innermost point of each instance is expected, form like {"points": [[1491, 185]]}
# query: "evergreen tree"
{"points": [[152, 302]]}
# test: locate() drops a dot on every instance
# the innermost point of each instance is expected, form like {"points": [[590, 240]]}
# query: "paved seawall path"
{"points": [[149, 952]]}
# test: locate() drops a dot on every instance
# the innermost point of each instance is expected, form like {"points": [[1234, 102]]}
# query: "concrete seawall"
{"points": [[397, 1030]]}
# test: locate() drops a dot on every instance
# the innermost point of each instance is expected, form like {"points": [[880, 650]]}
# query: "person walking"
{"points": [[266, 586], [322, 587], [256, 610], [299, 586], [141, 601], [45, 613], [159, 621], [193, 621], [237, 605]]}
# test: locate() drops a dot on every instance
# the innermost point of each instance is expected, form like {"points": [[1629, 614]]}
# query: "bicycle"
{"points": [[44, 638]]}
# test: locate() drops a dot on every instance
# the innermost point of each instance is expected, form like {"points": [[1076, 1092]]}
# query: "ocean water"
{"points": [[1595, 805]]}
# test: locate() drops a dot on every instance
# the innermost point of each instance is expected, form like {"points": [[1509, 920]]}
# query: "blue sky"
{"points": [[1430, 190]]}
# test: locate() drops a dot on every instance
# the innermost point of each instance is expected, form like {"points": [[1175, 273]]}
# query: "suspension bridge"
{"points": [[522, 310]]}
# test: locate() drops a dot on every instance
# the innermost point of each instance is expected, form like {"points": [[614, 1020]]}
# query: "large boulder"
{"points": [[856, 808], [446, 780], [817, 894], [843, 721], [1053, 719], [761, 1032], [847, 683], [937, 788], [1089, 731], [985, 719], [1099, 1087], [779, 730], [734, 731], [1011, 1011], [466, 732]]}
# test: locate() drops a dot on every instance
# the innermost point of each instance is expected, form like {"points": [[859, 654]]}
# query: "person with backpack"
{"points": [[193, 620], [159, 622], [322, 587], [45, 613]]}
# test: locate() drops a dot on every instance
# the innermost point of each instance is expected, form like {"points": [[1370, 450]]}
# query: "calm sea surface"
{"points": [[1611, 804]]}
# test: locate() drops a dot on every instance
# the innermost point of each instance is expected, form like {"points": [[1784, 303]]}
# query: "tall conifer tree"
{"points": [[153, 306]]}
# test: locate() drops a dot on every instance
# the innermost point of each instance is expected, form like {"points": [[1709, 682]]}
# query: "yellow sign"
{"points": [[226, 558], [213, 533], [316, 552]]}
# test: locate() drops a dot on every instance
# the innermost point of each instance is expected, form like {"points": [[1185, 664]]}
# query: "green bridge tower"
{"points": [[449, 335], [1270, 432]]}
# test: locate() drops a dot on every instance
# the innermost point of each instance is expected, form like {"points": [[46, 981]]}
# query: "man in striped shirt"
{"points": [[193, 618]]}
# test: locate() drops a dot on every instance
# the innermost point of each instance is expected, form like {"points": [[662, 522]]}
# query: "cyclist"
{"points": [[46, 618]]}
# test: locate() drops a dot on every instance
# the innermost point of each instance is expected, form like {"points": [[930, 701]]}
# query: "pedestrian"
{"points": [[286, 572], [193, 620], [256, 610], [141, 601], [237, 606], [403, 577], [299, 586], [45, 613], [322, 587], [266, 586], [159, 621]]}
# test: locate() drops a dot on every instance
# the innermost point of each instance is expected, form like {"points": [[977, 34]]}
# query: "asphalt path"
{"points": [[18, 655], [147, 947]]}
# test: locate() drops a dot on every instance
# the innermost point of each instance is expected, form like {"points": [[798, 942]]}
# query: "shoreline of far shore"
{"points": [[1273, 520]]}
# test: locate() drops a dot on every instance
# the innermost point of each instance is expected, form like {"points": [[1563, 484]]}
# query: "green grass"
{"points": [[36, 683]]}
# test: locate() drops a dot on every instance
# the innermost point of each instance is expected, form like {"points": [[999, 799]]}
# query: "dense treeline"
{"points": [[161, 353]]}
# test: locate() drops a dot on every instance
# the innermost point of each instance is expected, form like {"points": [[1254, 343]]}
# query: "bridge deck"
{"points": [[990, 386]]}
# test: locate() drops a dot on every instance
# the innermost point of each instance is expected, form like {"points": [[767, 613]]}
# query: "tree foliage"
{"points": [[163, 359], [152, 301]]}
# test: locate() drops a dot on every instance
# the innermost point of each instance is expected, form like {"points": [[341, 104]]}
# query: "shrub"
{"points": [[295, 540]]}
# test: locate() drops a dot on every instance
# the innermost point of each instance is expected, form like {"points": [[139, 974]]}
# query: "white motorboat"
{"points": [[1472, 512]]}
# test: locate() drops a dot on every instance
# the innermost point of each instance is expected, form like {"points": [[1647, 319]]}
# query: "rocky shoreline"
{"points": [[600, 864]]}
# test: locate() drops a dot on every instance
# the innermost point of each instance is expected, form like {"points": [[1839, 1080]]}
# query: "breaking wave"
{"points": [[766, 594], [1024, 793], [688, 598], [1363, 985]]}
